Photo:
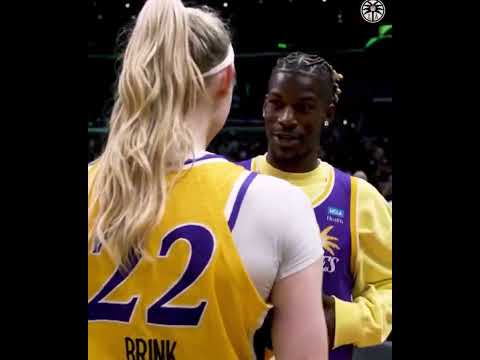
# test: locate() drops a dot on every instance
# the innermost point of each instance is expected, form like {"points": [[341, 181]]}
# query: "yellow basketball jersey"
{"points": [[195, 300]]}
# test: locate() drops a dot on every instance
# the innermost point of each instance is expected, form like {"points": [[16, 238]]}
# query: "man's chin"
{"points": [[285, 153]]}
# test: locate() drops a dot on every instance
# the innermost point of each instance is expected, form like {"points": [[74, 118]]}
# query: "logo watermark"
{"points": [[372, 11]]}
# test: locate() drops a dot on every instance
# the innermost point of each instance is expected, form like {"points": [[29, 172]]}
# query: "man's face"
{"points": [[294, 113]]}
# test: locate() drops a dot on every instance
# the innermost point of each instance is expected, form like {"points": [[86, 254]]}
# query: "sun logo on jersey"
{"points": [[329, 241]]}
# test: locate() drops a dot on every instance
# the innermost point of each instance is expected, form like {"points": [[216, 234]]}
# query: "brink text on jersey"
{"points": [[151, 349]]}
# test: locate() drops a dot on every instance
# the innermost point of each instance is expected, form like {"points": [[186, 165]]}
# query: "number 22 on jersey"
{"points": [[202, 246]]}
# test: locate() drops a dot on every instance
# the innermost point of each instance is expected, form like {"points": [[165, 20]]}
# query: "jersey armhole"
{"points": [[237, 195]]}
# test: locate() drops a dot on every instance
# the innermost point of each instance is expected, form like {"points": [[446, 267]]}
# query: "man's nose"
{"points": [[287, 118]]}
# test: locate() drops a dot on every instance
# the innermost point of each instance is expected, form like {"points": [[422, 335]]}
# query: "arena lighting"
{"points": [[383, 29], [384, 32], [225, 4], [339, 18]]}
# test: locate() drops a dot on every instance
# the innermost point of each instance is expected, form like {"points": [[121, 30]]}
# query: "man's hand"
{"points": [[329, 307]]}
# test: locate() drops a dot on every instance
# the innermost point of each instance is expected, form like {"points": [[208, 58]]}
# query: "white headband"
{"points": [[224, 64]]}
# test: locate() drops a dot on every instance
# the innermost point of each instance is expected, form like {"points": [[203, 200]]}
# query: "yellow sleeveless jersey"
{"points": [[195, 300]]}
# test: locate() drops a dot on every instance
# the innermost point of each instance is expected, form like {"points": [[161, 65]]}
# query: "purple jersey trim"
{"points": [[238, 201], [338, 282], [205, 157], [247, 164]]}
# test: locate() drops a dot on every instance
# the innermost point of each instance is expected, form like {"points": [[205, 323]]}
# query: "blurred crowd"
{"points": [[368, 157]]}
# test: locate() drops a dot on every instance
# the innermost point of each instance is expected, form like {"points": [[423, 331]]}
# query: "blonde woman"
{"points": [[187, 251]]}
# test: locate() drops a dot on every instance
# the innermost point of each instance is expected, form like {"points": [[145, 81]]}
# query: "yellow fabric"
{"points": [[368, 319], [234, 308]]}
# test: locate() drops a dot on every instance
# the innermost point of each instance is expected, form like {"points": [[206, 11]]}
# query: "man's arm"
{"points": [[367, 321]]}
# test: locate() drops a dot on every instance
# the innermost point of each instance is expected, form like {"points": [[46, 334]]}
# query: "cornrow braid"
{"points": [[312, 65]]}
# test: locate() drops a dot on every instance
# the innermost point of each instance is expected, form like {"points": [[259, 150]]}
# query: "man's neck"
{"points": [[297, 165]]}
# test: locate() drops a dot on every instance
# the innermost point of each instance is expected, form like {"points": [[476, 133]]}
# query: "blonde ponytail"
{"points": [[160, 82]]}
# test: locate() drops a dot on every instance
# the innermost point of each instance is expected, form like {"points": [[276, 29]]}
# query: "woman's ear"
{"points": [[225, 81]]}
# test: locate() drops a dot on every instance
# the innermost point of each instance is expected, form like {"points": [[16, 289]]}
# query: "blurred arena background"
{"points": [[360, 138]]}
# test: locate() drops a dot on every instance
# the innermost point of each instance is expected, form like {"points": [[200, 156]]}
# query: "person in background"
{"points": [[361, 175], [386, 188]]}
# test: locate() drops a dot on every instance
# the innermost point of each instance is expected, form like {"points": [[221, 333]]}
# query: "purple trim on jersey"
{"points": [[247, 164], [205, 157], [238, 201], [341, 353], [337, 277]]}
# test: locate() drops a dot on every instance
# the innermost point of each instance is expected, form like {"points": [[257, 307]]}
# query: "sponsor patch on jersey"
{"points": [[333, 211]]}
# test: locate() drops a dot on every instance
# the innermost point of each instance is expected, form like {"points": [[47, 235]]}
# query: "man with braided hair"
{"points": [[354, 219]]}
